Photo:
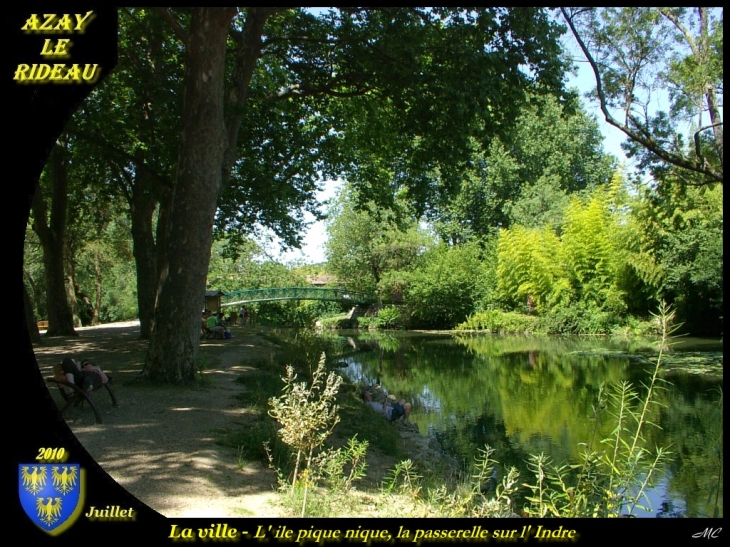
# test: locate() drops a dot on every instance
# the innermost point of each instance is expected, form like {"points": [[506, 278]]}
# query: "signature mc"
{"points": [[709, 533]]}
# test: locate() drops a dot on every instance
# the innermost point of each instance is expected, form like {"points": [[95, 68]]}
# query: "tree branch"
{"points": [[175, 25], [248, 50], [642, 137], [100, 141], [677, 23]]}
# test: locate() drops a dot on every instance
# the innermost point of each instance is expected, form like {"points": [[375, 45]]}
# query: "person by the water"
{"points": [[389, 406]]}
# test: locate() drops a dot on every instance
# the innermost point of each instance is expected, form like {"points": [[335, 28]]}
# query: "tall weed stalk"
{"points": [[478, 494]]}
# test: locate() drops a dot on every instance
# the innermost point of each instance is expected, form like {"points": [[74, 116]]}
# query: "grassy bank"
{"points": [[258, 440]]}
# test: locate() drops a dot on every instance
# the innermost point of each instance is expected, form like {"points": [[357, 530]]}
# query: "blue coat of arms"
{"points": [[51, 494]]}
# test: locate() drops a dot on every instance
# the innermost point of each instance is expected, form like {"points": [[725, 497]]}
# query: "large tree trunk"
{"points": [[35, 335], [72, 288], [142, 208], [52, 236], [99, 275], [173, 350]]}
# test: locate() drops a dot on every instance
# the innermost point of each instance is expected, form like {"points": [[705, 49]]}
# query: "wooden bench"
{"points": [[73, 394], [205, 332]]}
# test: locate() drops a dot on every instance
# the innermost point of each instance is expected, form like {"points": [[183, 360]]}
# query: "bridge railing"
{"points": [[234, 298]]}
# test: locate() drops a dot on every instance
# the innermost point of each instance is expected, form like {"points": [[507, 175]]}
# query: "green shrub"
{"points": [[119, 301], [306, 313], [339, 468], [281, 313], [340, 321], [443, 291], [467, 498], [388, 318], [580, 318], [528, 264], [365, 322], [498, 321], [307, 414], [636, 327]]}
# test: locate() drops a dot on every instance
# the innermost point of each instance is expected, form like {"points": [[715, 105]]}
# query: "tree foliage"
{"points": [[383, 56], [126, 133], [681, 240], [368, 246], [448, 73], [581, 268], [98, 257], [618, 254], [637, 55], [552, 150], [445, 288]]}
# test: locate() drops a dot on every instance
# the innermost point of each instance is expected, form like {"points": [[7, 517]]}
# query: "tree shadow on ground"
{"points": [[160, 442]]}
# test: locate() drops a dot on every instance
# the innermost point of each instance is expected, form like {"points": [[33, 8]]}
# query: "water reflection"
{"points": [[526, 395]]}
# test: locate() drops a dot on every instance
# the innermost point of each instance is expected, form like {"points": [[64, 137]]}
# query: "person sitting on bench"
{"points": [[215, 325], [85, 374]]}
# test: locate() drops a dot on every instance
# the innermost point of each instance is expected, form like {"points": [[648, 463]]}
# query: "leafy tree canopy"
{"points": [[526, 176], [641, 55], [367, 243]]}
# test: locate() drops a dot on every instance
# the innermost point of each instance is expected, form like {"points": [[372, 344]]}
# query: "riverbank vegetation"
{"points": [[599, 271], [316, 439], [597, 265]]}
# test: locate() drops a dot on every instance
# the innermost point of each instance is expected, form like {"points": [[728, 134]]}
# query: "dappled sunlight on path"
{"points": [[160, 444]]}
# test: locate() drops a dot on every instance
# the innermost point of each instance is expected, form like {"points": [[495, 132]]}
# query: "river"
{"points": [[529, 395]]}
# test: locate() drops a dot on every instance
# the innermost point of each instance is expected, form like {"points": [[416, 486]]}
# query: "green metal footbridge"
{"points": [[235, 298]]}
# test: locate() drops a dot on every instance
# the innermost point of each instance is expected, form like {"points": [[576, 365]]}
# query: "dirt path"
{"points": [[159, 444]]}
